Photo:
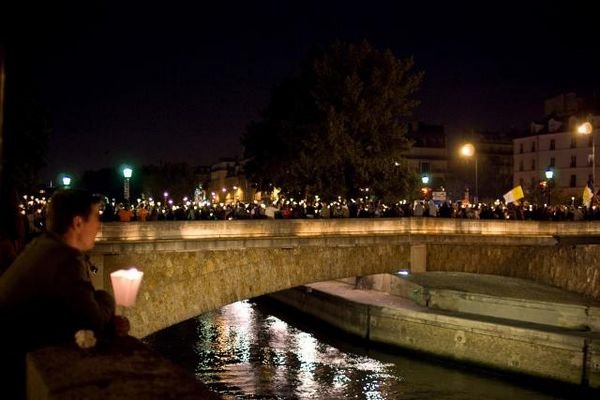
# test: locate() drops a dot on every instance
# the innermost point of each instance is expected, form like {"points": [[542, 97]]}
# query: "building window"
{"points": [[425, 168], [573, 181], [533, 164], [521, 165], [573, 142], [552, 144], [521, 148], [552, 162], [573, 161], [533, 147]]}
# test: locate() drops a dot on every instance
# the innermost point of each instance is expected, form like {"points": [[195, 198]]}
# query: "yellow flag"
{"points": [[514, 194], [587, 195]]}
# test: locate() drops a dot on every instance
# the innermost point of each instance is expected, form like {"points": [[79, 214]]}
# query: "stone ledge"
{"points": [[570, 357], [290, 242], [187, 230], [121, 369]]}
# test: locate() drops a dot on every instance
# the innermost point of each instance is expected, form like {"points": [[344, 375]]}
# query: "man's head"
{"points": [[74, 216]]}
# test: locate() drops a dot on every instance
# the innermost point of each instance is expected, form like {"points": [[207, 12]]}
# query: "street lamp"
{"points": [[66, 181], [549, 175], [587, 129], [468, 151], [425, 189], [127, 172]]}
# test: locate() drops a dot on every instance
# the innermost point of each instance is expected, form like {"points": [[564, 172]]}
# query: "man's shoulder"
{"points": [[49, 242], [46, 249]]}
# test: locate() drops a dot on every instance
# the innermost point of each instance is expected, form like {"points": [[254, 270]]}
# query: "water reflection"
{"points": [[243, 352]]}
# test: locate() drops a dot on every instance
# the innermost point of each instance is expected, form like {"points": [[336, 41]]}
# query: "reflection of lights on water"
{"points": [[239, 323], [276, 325], [372, 391], [236, 355], [340, 380], [369, 364], [307, 346]]}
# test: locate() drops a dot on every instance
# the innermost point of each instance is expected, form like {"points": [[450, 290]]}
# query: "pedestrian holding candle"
{"points": [[46, 295]]}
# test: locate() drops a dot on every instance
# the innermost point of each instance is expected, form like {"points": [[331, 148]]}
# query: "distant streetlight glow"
{"points": [[66, 180], [549, 175], [425, 179], [127, 173], [587, 129], [468, 151]]}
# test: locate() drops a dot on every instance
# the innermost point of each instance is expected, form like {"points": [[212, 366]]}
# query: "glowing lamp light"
{"points": [[585, 128], [468, 150], [66, 180], [126, 283], [127, 172]]}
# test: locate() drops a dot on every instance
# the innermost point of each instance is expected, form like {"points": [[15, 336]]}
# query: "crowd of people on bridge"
{"points": [[32, 210]]}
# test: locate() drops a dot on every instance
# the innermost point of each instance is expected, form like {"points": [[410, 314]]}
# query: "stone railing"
{"points": [[169, 230], [124, 368]]}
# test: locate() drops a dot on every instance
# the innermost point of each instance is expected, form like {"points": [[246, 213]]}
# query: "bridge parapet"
{"points": [[169, 230]]}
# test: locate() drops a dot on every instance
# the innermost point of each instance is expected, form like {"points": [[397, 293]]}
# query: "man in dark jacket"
{"points": [[46, 294]]}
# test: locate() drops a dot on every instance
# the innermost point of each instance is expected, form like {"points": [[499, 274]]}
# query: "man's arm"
{"points": [[94, 309]]}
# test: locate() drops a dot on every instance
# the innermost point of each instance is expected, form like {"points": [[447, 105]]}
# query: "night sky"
{"points": [[144, 82]]}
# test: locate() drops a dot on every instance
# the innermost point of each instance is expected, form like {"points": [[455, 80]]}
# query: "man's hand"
{"points": [[121, 325]]}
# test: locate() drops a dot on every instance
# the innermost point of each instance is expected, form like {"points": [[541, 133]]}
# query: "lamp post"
{"points": [[587, 129], [468, 151], [549, 175], [66, 180], [424, 181], [127, 172]]}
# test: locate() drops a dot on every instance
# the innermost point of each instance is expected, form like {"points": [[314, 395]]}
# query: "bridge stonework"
{"points": [[193, 267], [571, 267]]}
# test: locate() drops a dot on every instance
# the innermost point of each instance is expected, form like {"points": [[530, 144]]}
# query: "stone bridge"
{"points": [[196, 266]]}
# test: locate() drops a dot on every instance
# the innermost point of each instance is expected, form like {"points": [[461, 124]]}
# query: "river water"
{"points": [[259, 350]]}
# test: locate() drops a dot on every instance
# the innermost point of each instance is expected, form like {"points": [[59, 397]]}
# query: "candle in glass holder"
{"points": [[126, 283]]}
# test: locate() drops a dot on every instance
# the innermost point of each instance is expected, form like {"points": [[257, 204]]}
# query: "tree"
{"points": [[27, 132], [177, 178], [339, 126], [107, 181]]}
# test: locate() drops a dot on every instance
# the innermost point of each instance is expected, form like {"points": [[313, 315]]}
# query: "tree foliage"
{"points": [[26, 144], [339, 126], [176, 178]]}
